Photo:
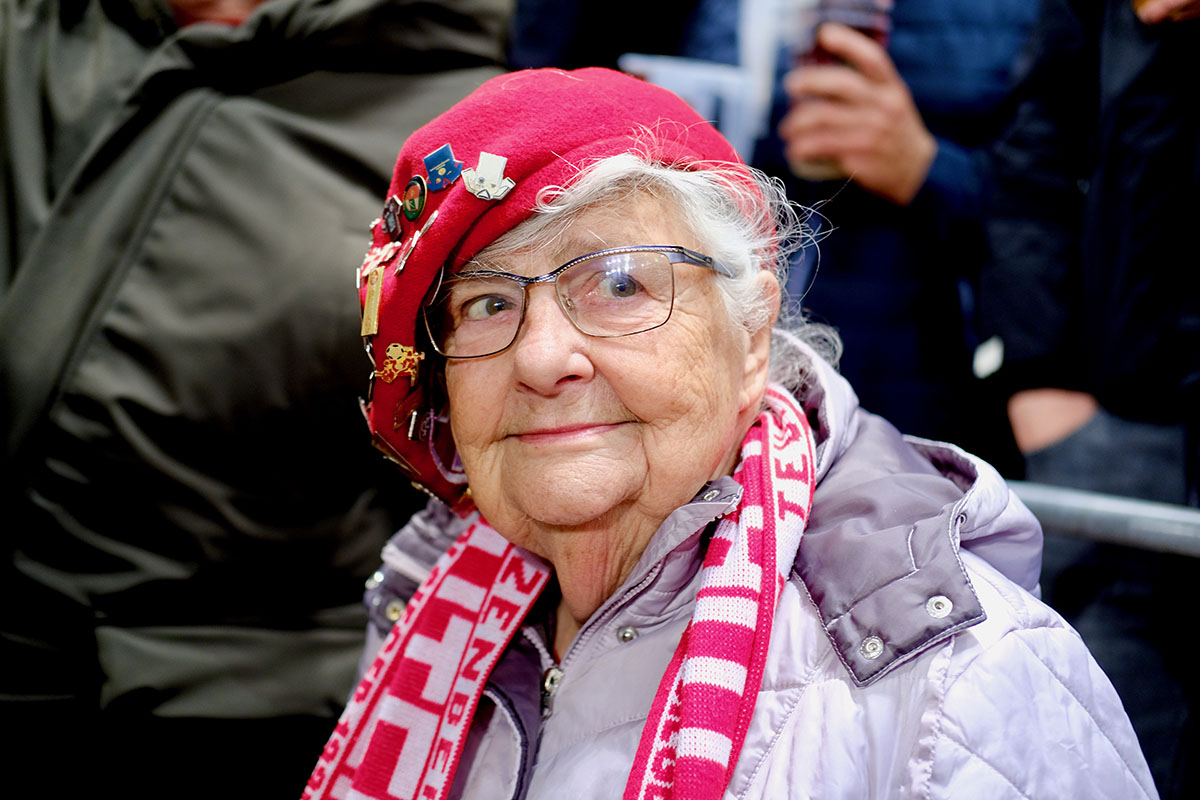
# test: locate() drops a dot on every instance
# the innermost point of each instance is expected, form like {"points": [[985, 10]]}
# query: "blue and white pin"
{"points": [[486, 181], [442, 168]]}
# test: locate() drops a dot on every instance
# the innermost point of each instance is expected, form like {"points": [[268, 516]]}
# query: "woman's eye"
{"points": [[485, 307], [619, 285]]}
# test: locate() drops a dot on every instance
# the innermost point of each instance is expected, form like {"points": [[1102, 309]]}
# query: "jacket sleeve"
{"points": [[1029, 295], [956, 182], [1028, 713]]}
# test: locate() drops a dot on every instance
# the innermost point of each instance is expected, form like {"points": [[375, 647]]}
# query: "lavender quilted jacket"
{"points": [[909, 658]]}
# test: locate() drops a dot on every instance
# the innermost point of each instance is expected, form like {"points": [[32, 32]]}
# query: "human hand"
{"points": [[1041, 417], [858, 115], [1153, 12]]}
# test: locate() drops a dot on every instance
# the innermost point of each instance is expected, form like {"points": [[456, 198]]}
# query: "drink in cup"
{"points": [[870, 17]]}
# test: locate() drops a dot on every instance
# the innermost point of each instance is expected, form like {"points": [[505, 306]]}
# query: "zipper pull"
{"points": [[550, 681]]}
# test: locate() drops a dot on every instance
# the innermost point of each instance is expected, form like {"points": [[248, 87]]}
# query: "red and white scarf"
{"points": [[403, 731]]}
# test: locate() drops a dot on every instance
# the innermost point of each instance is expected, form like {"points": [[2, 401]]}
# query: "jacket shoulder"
{"points": [[880, 556]]}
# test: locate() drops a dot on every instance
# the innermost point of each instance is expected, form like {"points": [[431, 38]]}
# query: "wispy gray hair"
{"points": [[741, 217]]}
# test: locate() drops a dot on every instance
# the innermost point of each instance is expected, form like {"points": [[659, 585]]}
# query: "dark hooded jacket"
{"points": [[191, 503]]}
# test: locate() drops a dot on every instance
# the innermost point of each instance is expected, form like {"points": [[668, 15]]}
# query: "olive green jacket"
{"points": [[191, 502]]}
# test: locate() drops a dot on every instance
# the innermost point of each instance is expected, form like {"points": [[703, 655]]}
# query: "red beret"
{"points": [[464, 179]]}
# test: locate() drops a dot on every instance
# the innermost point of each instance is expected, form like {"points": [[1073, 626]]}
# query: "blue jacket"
{"points": [[897, 282]]}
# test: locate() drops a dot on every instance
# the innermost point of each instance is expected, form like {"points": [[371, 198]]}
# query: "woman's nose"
{"points": [[549, 352]]}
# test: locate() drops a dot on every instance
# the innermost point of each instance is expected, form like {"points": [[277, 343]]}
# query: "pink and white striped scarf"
{"points": [[403, 731]]}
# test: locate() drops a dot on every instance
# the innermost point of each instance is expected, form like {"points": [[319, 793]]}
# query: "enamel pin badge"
{"points": [[372, 272], [377, 257], [391, 218], [487, 181], [442, 169], [401, 360], [414, 198]]}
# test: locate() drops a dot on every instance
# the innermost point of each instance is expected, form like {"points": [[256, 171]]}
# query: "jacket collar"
{"points": [[880, 558]]}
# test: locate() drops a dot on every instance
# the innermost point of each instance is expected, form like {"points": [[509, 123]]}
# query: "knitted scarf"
{"points": [[403, 730]]}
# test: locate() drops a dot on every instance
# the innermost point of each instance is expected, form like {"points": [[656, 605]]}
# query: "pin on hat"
{"points": [[412, 243], [487, 181], [442, 168], [391, 218], [401, 360], [414, 198]]}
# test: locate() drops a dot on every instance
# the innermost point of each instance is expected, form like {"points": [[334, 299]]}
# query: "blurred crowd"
{"points": [[999, 198]]}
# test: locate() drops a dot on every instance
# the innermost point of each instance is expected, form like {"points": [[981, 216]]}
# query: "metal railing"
{"points": [[1161, 527]]}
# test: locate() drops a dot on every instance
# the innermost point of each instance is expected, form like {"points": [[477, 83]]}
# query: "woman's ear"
{"points": [[758, 352], [772, 297]]}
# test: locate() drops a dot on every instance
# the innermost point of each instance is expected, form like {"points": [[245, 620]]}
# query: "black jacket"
{"points": [[1095, 283]]}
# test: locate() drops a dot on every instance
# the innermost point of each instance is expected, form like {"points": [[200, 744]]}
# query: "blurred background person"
{"points": [[190, 507], [1093, 298], [904, 129], [907, 126]]}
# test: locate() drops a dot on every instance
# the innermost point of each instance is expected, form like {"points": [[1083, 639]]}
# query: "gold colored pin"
{"points": [[370, 318], [401, 360]]}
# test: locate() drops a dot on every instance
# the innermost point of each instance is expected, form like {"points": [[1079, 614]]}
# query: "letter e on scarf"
{"points": [[441, 756], [788, 472]]}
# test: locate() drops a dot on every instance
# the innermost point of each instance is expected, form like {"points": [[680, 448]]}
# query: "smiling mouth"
{"points": [[566, 433]]}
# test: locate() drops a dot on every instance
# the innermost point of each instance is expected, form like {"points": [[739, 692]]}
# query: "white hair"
{"points": [[741, 218]]}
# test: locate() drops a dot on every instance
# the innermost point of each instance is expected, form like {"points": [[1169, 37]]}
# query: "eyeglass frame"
{"points": [[676, 254]]}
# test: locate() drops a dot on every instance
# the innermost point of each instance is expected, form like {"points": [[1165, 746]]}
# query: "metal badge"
{"points": [[487, 181], [370, 316], [406, 414], [391, 218], [442, 169], [412, 243], [401, 360], [377, 257], [393, 454], [414, 198]]}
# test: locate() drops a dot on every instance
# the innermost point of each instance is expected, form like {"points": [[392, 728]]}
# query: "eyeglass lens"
{"points": [[613, 294]]}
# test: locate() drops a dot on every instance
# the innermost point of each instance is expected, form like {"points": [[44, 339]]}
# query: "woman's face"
{"points": [[563, 430]]}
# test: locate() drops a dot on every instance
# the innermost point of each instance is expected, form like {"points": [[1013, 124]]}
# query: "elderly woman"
{"points": [[673, 558]]}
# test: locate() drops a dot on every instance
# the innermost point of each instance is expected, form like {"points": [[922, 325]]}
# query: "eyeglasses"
{"points": [[608, 293]]}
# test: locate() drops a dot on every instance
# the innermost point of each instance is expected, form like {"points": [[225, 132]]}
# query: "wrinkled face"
{"points": [[564, 430]]}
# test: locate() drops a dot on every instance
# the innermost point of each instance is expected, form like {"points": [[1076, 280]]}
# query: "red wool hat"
{"points": [[461, 181]]}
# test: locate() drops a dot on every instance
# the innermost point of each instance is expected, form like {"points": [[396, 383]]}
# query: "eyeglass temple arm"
{"points": [[701, 260]]}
